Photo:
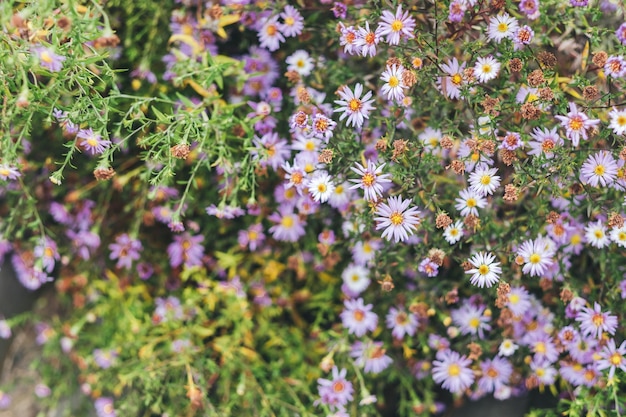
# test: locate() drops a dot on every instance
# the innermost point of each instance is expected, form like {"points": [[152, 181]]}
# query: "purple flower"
{"points": [[49, 59], [84, 242], [270, 150], [288, 227], [615, 66], [252, 237], [92, 142], [144, 270], [125, 250], [452, 371], [5, 400], [47, 252], [339, 10], [621, 33], [495, 373], [167, 309], [371, 356], [187, 250], [612, 357], [593, 321], [5, 329], [401, 322], [358, 318], [335, 392], [105, 358], [599, 169], [104, 407], [9, 172], [576, 124]]}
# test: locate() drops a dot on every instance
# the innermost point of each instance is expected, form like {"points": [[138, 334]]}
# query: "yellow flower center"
{"points": [[368, 179], [486, 68], [513, 298], [370, 38], [483, 269], [296, 178], [599, 170], [359, 315], [615, 359], [540, 347], [540, 372], [322, 188], [287, 222], [503, 27], [474, 322], [393, 81], [310, 146], [271, 30], [252, 235], [534, 258], [289, 21], [598, 234], [454, 370], [576, 123], [531, 97], [485, 180], [621, 120], [597, 320], [396, 218], [355, 104], [492, 373], [397, 25], [338, 386], [4, 172], [456, 79], [45, 57]]}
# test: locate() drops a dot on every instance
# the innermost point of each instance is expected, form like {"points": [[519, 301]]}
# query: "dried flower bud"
{"points": [[472, 222], [468, 75], [292, 76], [64, 23], [475, 351], [387, 283], [547, 58], [536, 78], [488, 147], [457, 166], [466, 266], [216, 12], [552, 217], [530, 111], [180, 151], [452, 297], [442, 221], [489, 104], [394, 61], [496, 5], [303, 94], [409, 78], [106, 41], [446, 142], [437, 256], [615, 220], [381, 144], [622, 154], [326, 156], [546, 94], [515, 65], [502, 294], [599, 58], [590, 92], [103, 173], [566, 295], [545, 284], [400, 147]]}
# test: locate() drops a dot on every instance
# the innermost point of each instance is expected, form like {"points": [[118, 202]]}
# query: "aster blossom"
{"points": [[618, 121], [396, 27], [599, 169], [336, 391], [485, 271], [486, 69], [450, 84], [484, 180], [9, 172], [321, 186], [612, 357], [576, 124], [501, 27], [536, 255], [270, 35], [92, 142], [371, 181], [397, 219], [394, 84], [452, 371], [367, 40], [353, 106], [594, 322]]}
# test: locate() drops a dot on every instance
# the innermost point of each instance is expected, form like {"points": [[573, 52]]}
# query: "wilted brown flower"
{"points": [[599, 58], [547, 58], [536, 78], [515, 65], [103, 174], [442, 221], [180, 151]]}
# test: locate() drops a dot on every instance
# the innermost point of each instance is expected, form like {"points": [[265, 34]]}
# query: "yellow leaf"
{"points": [[187, 39], [248, 353], [585, 55], [408, 352], [204, 331], [229, 19]]}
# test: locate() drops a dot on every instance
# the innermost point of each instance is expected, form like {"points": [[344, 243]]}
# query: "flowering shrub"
{"points": [[318, 208]]}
